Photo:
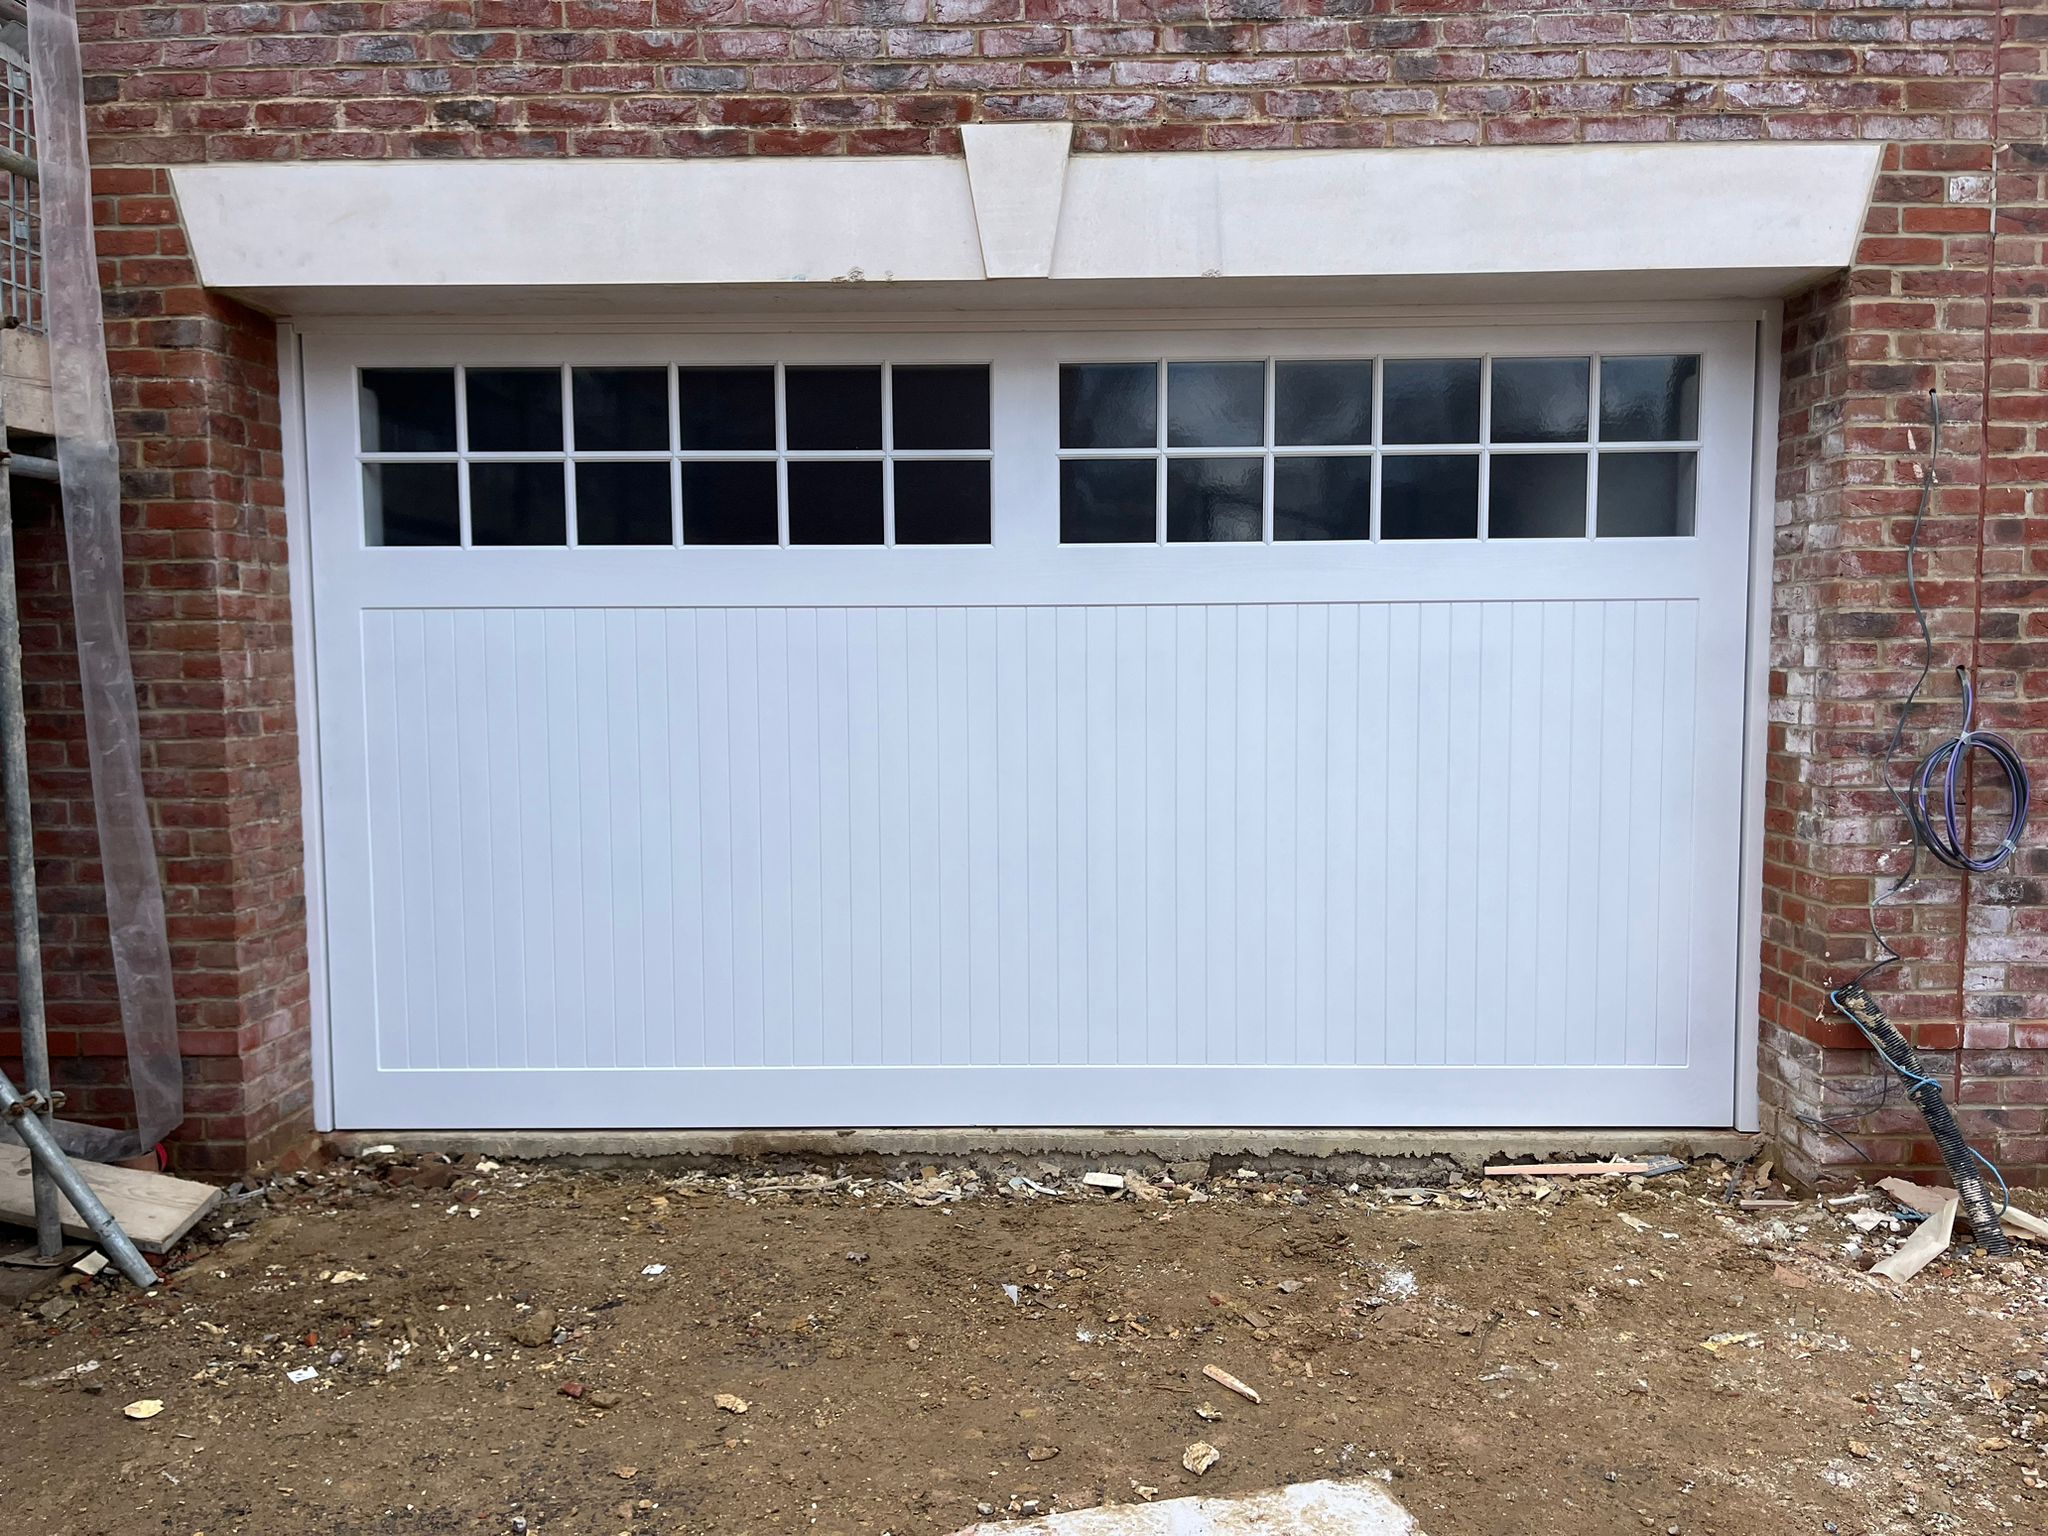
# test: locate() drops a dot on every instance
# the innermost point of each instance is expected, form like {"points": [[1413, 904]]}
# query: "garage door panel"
{"points": [[1300, 831], [1358, 833]]}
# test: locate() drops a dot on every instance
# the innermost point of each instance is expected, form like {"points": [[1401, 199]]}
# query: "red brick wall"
{"points": [[195, 386], [1956, 90]]}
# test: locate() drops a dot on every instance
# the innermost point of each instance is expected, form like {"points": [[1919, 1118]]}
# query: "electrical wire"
{"points": [[1939, 829], [1941, 835]]}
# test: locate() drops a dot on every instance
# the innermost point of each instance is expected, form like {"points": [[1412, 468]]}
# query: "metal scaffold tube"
{"points": [[21, 871], [91, 1209]]}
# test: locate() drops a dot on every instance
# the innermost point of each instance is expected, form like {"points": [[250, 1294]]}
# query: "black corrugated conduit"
{"points": [[1932, 804]]}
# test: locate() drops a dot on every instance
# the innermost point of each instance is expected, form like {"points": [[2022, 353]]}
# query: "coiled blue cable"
{"points": [[1943, 833]]}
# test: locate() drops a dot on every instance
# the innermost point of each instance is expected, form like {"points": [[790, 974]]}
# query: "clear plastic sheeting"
{"points": [[89, 468]]}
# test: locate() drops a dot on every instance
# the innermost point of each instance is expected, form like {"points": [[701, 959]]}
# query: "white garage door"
{"points": [[1291, 726]]}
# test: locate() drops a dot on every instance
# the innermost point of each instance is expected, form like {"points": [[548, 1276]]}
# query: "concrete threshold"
{"points": [[1412, 1156]]}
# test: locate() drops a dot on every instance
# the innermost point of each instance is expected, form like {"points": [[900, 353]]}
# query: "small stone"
{"points": [[731, 1403], [625, 1469], [856, 1256], [571, 1389], [144, 1408], [1208, 1413], [1041, 1453], [536, 1329], [1200, 1457], [603, 1399]]}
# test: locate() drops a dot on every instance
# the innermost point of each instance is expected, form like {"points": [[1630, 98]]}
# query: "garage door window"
{"points": [[875, 454], [1355, 450]]}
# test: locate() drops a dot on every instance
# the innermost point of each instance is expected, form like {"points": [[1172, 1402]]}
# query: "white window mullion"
{"points": [[462, 450], [1485, 444], [1266, 514], [569, 533], [1593, 449], [1379, 377], [1159, 461], [781, 460], [888, 455], [675, 457]]}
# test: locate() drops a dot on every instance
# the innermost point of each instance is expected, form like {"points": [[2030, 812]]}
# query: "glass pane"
{"points": [[1540, 399], [1215, 500], [1646, 495], [729, 503], [623, 503], [1215, 405], [942, 501], [939, 407], [1429, 496], [407, 410], [1536, 496], [517, 504], [727, 409], [1430, 400], [833, 408], [411, 504], [1318, 403], [1649, 399], [514, 410], [1322, 498], [620, 408], [1109, 405], [1108, 501], [833, 503]]}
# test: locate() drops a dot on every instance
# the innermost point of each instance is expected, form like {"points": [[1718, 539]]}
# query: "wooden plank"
{"points": [[154, 1209]]}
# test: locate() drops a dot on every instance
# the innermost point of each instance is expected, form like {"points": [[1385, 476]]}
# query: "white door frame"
{"points": [[1533, 330]]}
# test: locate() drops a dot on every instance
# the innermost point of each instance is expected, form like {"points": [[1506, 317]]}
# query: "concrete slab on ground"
{"points": [[1358, 1507], [1411, 1156]]}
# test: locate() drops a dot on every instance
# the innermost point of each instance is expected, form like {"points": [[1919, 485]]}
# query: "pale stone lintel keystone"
{"points": [[1017, 173]]}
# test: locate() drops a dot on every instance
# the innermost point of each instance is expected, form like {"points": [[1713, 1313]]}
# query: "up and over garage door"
{"points": [[1291, 725]]}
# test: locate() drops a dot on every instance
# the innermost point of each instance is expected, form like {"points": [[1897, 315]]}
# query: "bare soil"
{"points": [[1519, 1361]]}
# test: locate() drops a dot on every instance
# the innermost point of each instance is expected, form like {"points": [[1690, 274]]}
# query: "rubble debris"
{"points": [[1041, 1453], [1230, 1383], [731, 1402], [1928, 1200], [143, 1408], [1097, 1180], [1200, 1457], [1355, 1506], [1923, 1247], [1575, 1170], [536, 1329], [1721, 1341], [69, 1373]]}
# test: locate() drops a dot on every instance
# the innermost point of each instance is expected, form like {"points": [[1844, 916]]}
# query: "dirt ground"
{"points": [[504, 1349]]}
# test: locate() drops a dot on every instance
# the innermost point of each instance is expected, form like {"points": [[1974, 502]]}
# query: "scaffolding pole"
{"points": [[21, 876]]}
